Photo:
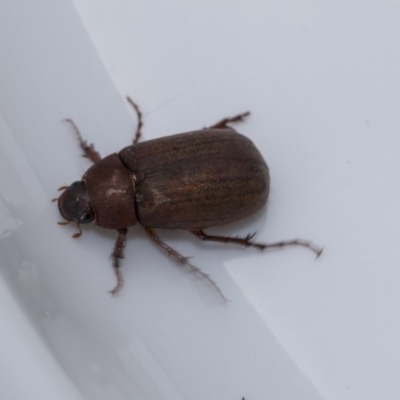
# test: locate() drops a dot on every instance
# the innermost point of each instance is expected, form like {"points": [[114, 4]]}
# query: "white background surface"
{"points": [[322, 81]]}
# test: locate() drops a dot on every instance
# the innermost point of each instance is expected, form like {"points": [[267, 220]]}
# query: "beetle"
{"points": [[188, 181]]}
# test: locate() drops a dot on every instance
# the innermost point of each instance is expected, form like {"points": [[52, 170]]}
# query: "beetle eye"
{"points": [[86, 217]]}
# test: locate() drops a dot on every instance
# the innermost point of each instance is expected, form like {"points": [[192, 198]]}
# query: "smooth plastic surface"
{"points": [[322, 83]]}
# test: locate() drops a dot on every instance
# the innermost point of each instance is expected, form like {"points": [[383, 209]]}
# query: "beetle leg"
{"points": [[116, 255], [182, 260], [224, 122], [88, 149], [138, 132], [246, 241]]}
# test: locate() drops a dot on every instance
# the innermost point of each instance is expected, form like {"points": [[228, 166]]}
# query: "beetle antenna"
{"points": [[77, 234], [59, 189]]}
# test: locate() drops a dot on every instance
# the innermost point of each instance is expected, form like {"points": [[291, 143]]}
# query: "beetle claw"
{"points": [[319, 252]]}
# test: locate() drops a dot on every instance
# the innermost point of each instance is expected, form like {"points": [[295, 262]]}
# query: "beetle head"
{"points": [[74, 204]]}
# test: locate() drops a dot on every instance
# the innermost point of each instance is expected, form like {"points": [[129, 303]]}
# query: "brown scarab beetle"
{"points": [[189, 181]]}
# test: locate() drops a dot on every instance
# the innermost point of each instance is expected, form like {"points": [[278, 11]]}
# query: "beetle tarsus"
{"points": [[116, 255], [224, 122], [183, 260], [246, 241], [297, 242], [88, 149], [138, 133], [119, 284]]}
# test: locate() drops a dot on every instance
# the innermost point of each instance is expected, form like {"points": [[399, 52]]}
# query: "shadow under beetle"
{"points": [[189, 181]]}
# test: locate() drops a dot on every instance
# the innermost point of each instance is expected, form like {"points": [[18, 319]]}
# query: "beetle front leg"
{"points": [[223, 124], [88, 150], [184, 261], [116, 255], [246, 242]]}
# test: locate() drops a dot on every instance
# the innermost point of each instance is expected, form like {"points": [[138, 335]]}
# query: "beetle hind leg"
{"points": [[223, 124], [184, 261], [246, 242], [116, 255], [88, 149]]}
